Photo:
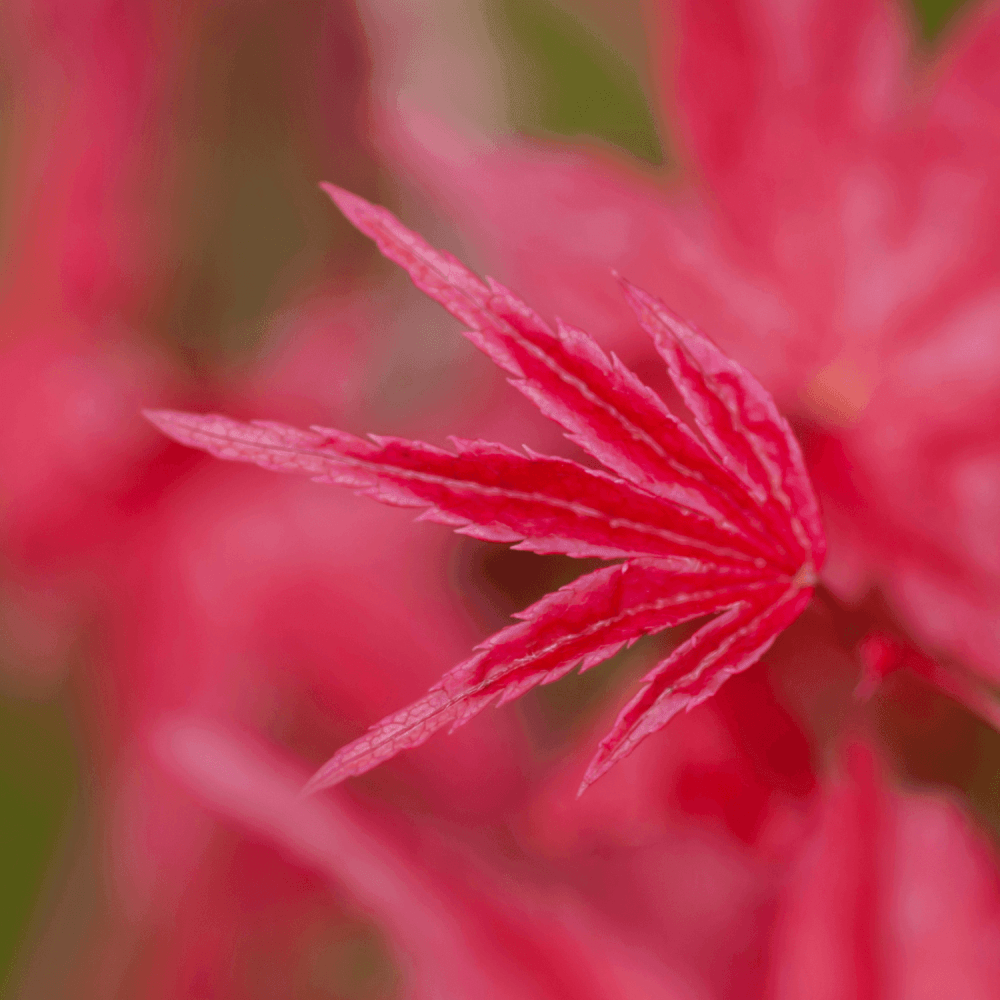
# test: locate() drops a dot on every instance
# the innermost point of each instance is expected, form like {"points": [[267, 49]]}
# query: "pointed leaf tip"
{"points": [[176, 424], [352, 205], [362, 212], [157, 417]]}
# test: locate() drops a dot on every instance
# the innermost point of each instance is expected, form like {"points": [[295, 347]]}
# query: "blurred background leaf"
{"points": [[254, 227]]}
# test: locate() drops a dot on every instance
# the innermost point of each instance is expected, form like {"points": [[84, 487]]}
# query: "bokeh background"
{"points": [[191, 143]]}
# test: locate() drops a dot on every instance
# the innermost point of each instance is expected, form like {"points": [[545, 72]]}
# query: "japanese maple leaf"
{"points": [[833, 216], [725, 524]]}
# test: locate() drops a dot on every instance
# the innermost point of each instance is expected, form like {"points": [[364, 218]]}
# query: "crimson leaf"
{"points": [[724, 524]]}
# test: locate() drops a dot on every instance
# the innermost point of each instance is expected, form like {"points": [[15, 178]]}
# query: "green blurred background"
{"points": [[258, 241]]}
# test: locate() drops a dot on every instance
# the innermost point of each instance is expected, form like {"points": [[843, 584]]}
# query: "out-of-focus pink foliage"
{"points": [[77, 274], [457, 928], [892, 895], [729, 527], [134, 553], [840, 242], [836, 232]]}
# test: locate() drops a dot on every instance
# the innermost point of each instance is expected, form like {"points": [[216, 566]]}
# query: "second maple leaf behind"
{"points": [[724, 524]]}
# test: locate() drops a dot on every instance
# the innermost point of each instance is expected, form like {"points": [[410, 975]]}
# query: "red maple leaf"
{"points": [[724, 524]]}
